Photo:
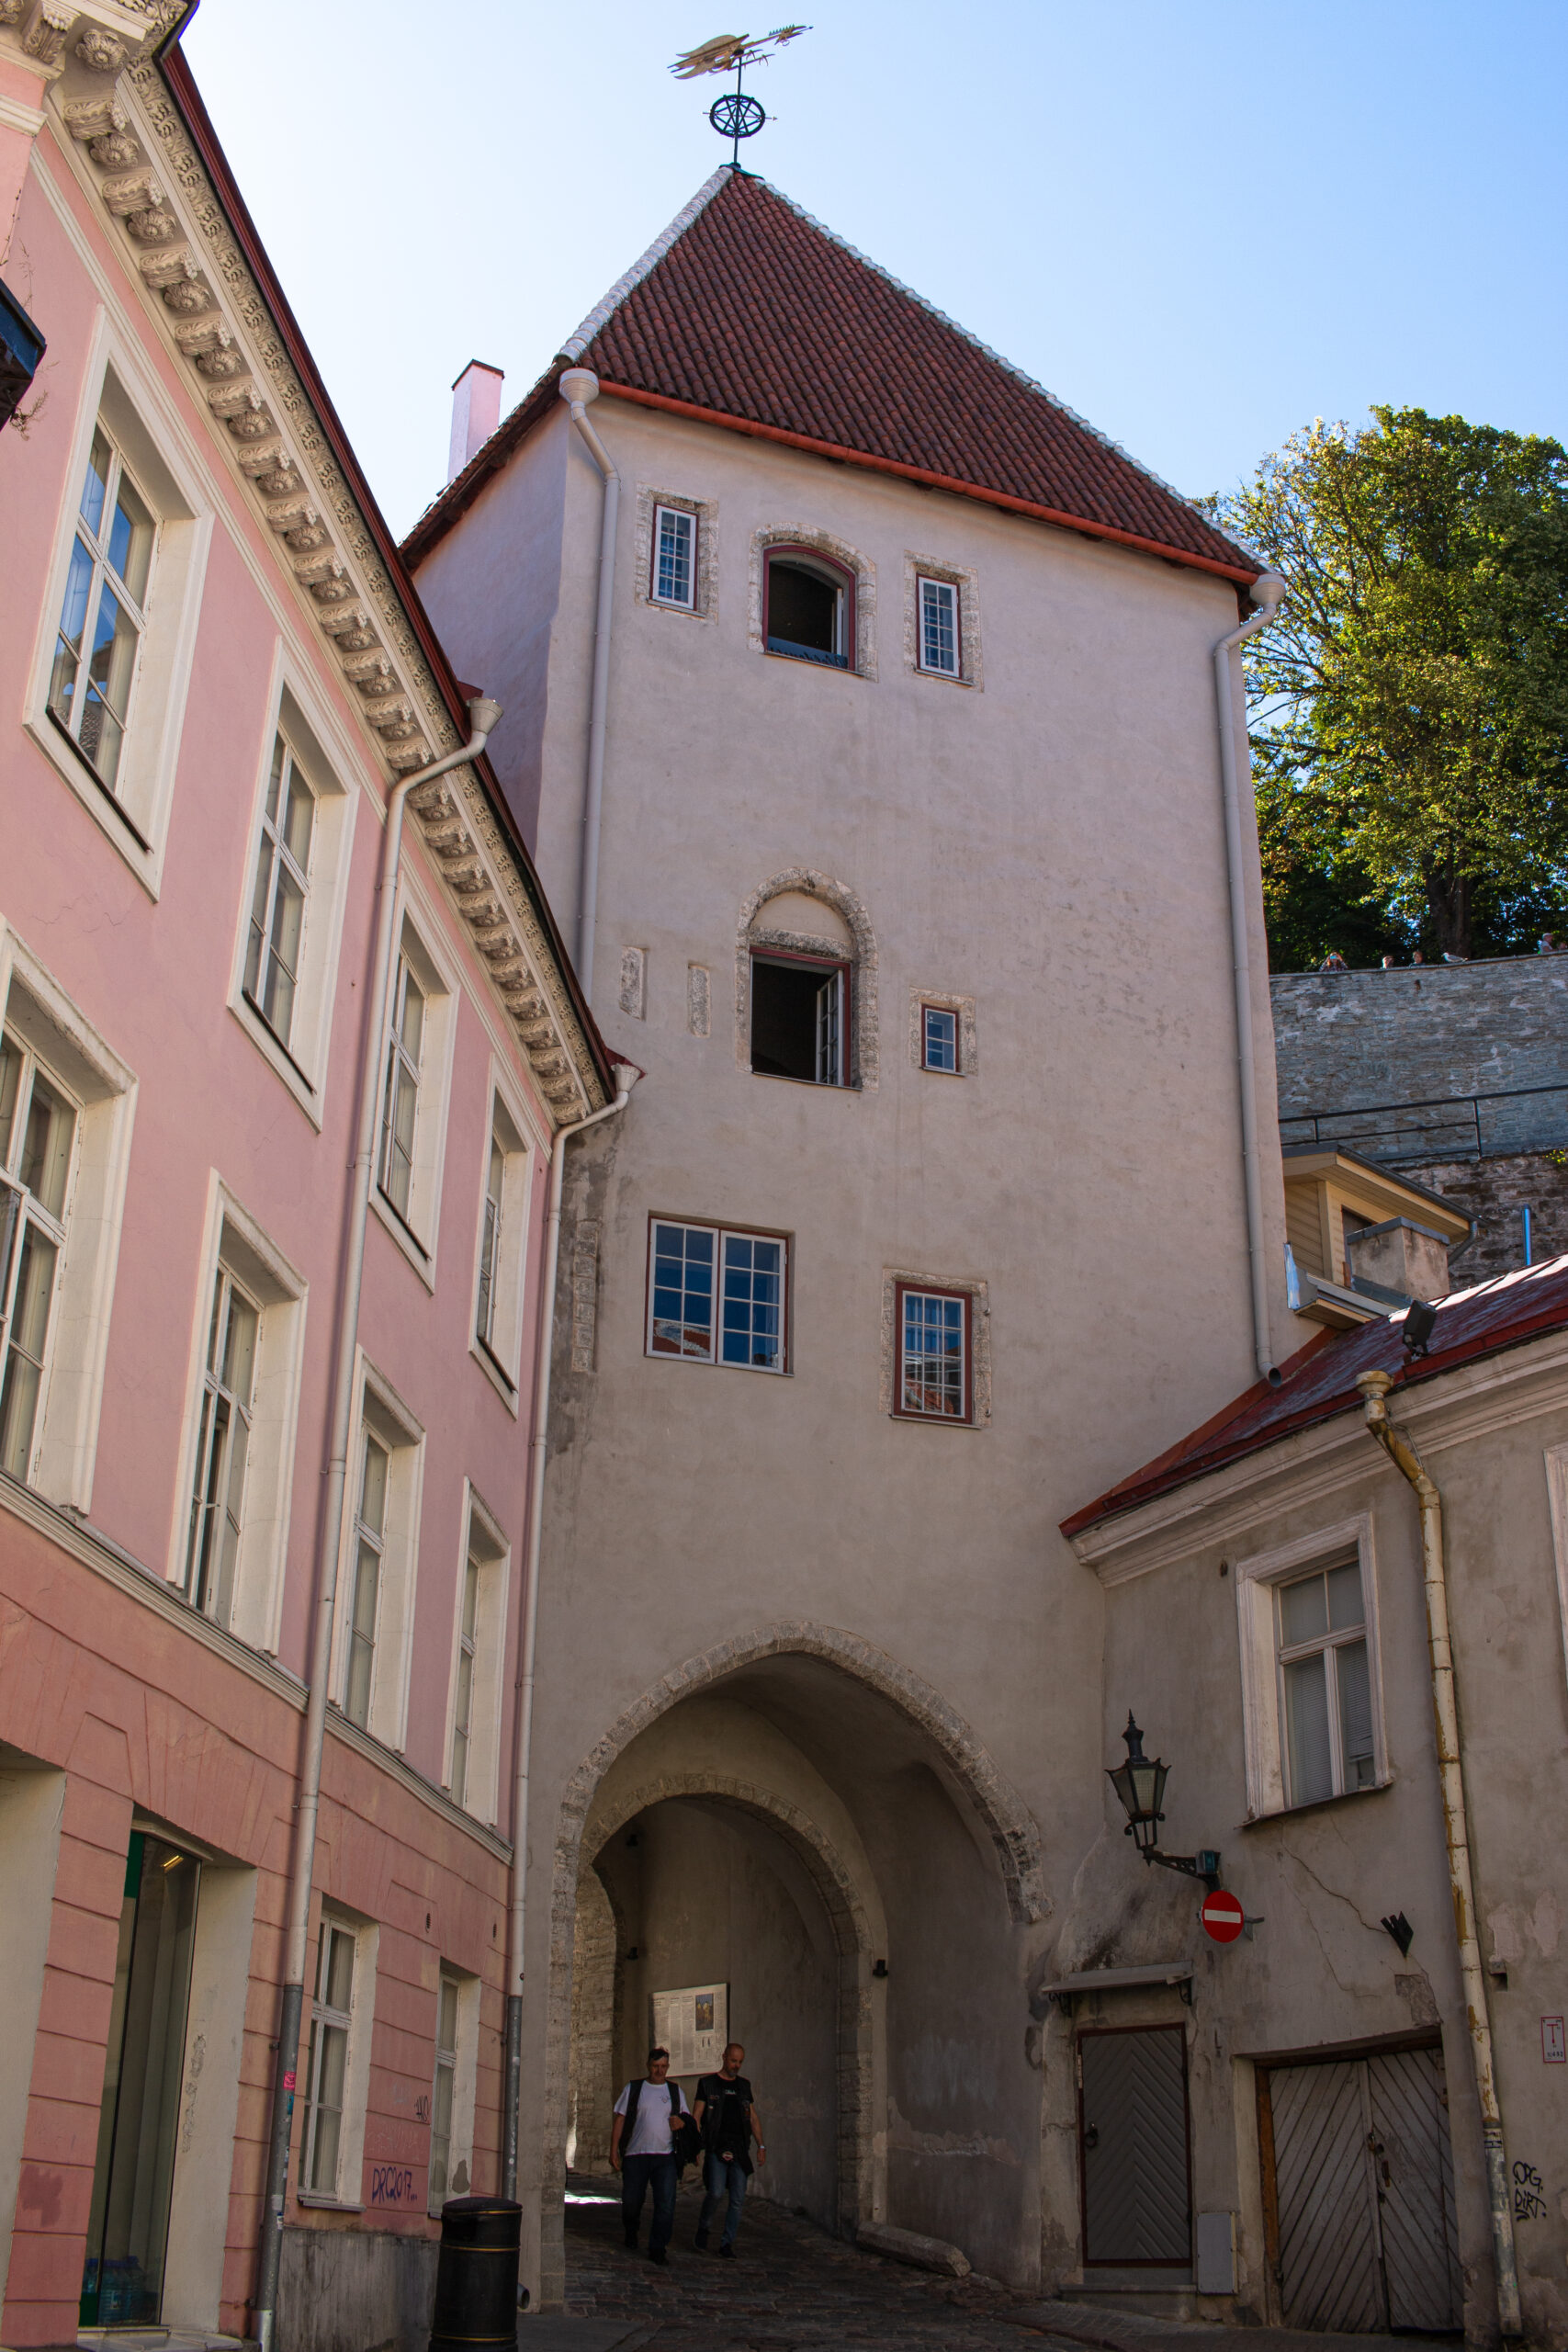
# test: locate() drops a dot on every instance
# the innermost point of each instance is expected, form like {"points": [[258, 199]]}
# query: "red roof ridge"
{"points": [[768, 320]]}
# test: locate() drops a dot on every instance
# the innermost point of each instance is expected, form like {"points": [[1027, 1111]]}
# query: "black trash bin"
{"points": [[475, 2276]]}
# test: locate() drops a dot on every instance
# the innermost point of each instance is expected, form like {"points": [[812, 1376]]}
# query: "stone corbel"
{"points": [[43, 36], [351, 628], [133, 192], [90, 119], [326, 577], [417, 755]]}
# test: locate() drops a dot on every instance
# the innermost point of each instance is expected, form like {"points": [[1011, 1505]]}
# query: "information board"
{"points": [[693, 2024]]}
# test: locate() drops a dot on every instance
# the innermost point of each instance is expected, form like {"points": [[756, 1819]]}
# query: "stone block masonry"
{"points": [[1455, 1073]]}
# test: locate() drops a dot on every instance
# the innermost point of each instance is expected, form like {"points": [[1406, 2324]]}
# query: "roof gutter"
{"points": [[1243, 575], [1374, 1387], [1267, 591]]}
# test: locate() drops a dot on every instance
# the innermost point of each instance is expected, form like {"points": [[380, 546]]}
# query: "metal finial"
{"points": [[735, 116]]}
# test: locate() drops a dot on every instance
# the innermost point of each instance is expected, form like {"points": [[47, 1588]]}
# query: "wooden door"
{"points": [[1362, 2193], [1137, 2207]]}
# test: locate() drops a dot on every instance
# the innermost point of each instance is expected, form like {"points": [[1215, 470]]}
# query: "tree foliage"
{"points": [[1409, 707]]}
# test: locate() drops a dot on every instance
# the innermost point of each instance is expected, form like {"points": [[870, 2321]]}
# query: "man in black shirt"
{"points": [[726, 2115]]}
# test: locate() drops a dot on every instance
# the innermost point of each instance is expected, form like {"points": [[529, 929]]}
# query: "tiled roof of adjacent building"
{"points": [[748, 314], [1320, 1379]]}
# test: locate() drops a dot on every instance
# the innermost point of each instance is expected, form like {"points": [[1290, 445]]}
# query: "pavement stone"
{"points": [[794, 2288]]}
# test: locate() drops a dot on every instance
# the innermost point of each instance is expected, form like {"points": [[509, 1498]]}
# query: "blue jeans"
{"points": [[721, 2176], [638, 2175]]}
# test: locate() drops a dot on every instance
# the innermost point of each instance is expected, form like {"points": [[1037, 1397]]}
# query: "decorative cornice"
{"points": [[199, 287]]}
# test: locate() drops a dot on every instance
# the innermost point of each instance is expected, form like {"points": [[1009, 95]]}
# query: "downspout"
{"points": [[1267, 591], [484, 717], [1374, 1387], [626, 1079], [578, 387]]}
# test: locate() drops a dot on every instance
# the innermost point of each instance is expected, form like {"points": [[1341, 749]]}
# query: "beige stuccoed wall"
{"points": [[1050, 844], [1321, 1972]]}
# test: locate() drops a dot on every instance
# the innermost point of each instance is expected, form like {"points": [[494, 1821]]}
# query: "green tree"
{"points": [[1409, 707]]}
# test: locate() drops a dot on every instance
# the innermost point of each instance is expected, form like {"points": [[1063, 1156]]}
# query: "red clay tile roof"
{"points": [[753, 315], [1320, 1379]]}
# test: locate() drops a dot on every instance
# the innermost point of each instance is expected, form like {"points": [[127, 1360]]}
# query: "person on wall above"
{"points": [[647, 2118], [727, 2117]]}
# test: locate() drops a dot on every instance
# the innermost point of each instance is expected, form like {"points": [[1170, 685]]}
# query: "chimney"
{"points": [[1399, 1259], [476, 412]]}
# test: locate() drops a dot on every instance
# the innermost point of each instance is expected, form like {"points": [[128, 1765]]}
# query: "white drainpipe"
{"points": [[578, 387], [626, 1079], [1267, 591], [1374, 1387], [484, 717]]}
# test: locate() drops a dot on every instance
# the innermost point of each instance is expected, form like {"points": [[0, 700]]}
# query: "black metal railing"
{"points": [[1453, 1127]]}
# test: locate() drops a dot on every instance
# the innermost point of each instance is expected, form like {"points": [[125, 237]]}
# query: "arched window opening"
{"points": [[802, 991], [808, 608]]}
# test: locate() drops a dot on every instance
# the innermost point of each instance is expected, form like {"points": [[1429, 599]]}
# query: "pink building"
{"points": [[213, 672]]}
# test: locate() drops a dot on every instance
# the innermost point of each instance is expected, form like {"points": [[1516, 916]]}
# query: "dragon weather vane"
{"points": [[736, 115]]}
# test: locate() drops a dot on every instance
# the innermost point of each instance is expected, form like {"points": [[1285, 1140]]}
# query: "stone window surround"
{"points": [[135, 815], [978, 1294], [232, 1238], [860, 567], [103, 1090], [968, 1048], [960, 576], [705, 586], [295, 711], [379, 1406], [864, 1048], [1262, 1712]]}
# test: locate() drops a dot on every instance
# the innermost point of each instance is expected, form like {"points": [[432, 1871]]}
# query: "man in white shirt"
{"points": [[648, 2116]]}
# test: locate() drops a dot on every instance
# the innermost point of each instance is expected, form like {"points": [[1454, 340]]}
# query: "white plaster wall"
{"points": [[1052, 847], [1321, 1970]]}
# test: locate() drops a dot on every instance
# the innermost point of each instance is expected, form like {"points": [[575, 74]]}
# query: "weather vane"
{"points": [[735, 115]]}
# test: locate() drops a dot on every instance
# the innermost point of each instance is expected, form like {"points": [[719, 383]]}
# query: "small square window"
{"points": [[716, 1296], [674, 558], [940, 637], [939, 1039], [934, 1383]]}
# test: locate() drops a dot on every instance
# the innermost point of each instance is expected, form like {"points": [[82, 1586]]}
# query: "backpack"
{"points": [[685, 2140]]}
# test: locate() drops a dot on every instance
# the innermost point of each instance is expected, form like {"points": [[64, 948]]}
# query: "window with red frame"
{"points": [[935, 1382], [808, 608]]}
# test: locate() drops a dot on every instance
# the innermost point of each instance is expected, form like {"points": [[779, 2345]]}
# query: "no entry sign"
{"points": [[1223, 1916]]}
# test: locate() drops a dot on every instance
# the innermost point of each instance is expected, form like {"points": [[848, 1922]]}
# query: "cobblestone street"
{"points": [[791, 2289], [795, 2289]]}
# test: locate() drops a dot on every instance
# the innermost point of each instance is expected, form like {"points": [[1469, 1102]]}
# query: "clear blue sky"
{"points": [[1199, 224]]}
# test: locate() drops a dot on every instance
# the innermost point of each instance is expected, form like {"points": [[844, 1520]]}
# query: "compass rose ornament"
{"points": [[735, 116]]}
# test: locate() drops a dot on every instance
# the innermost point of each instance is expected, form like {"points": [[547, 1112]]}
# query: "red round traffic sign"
{"points": [[1223, 1916]]}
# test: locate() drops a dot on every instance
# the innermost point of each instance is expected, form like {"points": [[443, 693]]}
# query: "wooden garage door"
{"points": [[1363, 2193], [1132, 2126]]}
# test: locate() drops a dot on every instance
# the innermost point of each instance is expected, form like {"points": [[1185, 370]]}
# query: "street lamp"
{"points": [[1140, 1784]]}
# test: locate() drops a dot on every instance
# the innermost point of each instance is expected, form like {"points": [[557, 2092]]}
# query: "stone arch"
{"points": [[863, 1026], [1010, 1824], [859, 1935], [967, 1765], [595, 2012]]}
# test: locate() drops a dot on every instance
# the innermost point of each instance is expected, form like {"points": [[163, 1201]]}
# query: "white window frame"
{"points": [[925, 581], [1256, 1579], [120, 390], [380, 1409], [688, 602], [499, 1353], [465, 2084], [485, 1541], [295, 712], [415, 1233], [721, 1235], [350, 2178], [234, 1240], [945, 1013], [84, 1067]]}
